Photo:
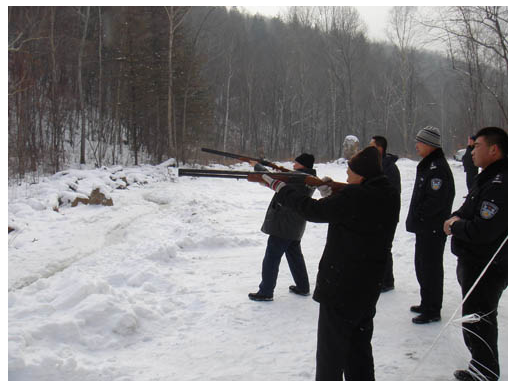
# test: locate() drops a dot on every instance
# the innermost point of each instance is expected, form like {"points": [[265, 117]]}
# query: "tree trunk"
{"points": [[227, 102], [80, 86]]}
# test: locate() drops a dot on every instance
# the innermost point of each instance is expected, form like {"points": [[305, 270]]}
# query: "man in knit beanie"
{"points": [[285, 229], [366, 163], [430, 206]]}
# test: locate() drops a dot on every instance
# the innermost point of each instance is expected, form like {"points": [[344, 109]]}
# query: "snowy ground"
{"points": [[155, 287]]}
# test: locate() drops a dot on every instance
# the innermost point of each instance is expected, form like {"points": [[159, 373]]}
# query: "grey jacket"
{"points": [[282, 221]]}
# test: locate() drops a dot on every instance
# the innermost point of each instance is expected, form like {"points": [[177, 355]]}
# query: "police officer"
{"points": [[479, 228], [430, 206]]}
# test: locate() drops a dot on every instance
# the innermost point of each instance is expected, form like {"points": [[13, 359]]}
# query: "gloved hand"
{"points": [[274, 184], [325, 190]]}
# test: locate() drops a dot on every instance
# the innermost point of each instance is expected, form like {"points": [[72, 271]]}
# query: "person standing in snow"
{"points": [[478, 229], [390, 170], [470, 168], [430, 206], [352, 266], [285, 229]]}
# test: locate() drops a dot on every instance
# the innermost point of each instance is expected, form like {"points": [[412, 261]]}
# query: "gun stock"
{"points": [[316, 182], [244, 158]]}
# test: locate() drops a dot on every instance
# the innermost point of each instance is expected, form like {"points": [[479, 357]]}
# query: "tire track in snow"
{"points": [[76, 230]]}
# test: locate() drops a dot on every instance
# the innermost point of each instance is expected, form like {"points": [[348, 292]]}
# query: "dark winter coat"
{"points": [[468, 163], [484, 219], [352, 265], [433, 194], [390, 170], [284, 222]]}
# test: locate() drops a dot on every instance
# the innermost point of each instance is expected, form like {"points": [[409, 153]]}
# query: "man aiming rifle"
{"points": [[285, 229]]}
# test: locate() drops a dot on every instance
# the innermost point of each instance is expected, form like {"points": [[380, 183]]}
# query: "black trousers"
{"points": [[344, 345], [481, 337], [428, 262], [389, 279], [276, 247]]}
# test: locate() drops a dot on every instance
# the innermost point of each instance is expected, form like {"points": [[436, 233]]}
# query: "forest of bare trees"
{"points": [[88, 85]]}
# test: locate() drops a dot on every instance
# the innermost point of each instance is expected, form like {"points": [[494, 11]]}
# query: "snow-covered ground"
{"points": [[155, 287]]}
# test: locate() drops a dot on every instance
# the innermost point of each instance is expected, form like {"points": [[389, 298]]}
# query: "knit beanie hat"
{"points": [[430, 136], [306, 160], [367, 162]]}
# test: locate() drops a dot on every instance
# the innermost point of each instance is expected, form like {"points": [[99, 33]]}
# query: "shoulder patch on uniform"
{"points": [[488, 210], [498, 179], [436, 184]]}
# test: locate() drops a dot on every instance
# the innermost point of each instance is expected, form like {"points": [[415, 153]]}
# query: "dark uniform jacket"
{"points": [[284, 222], [484, 219], [433, 194], [359, 216]]}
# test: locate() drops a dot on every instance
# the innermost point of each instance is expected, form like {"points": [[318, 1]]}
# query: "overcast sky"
{"points": [[374, 16]]}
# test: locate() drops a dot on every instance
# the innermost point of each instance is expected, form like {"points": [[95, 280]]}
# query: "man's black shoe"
{"points": [[296, 290], [465, 375], [416, 309], [425, 318], [259, 297], [387, 288]]}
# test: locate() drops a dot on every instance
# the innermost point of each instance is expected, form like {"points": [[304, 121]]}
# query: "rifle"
{"points": [[256, 176], [244, 158]]}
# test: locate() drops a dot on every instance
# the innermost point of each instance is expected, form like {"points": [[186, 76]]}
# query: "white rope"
{"points": [[456, 310]]}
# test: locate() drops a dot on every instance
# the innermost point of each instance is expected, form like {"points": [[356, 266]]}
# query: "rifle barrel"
{"points": [[191, 172], [245, 158], [229, 155], [233, 174], [255, 176]]}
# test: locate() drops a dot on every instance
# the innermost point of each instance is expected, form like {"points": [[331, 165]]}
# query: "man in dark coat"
{"points": [[285, 229], [470, 168], [430, 206], [479, 232], [390, 170], [352, 266]]}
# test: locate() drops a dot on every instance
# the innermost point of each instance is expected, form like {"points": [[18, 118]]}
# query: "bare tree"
{"points": [[85, 19], [344, 47], [403, 33], [176, 17], [476, 38]]}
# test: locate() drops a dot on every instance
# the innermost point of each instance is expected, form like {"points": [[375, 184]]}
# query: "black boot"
{"points": [[416, 309], [426, 318], [296, 290], [465, 375], [260, 297]]}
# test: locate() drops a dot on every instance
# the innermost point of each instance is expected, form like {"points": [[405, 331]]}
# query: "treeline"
{"points": [[89, 84]]}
